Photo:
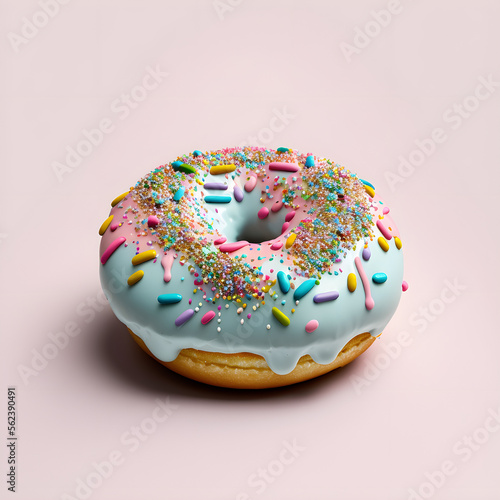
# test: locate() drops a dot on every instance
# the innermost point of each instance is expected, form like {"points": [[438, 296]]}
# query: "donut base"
{"points": [[250, 371]]}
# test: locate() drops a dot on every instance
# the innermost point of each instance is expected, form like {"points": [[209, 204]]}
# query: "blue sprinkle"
{"points": [[169, 298], [379, 278], [310, 161], [217, 199], [282, 150], [177, 163], [197, 153], [366, 183], [179, 193], [284, 282], [304, 288]]}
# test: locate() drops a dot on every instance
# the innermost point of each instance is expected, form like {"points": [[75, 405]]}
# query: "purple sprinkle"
{"points": [[326, 297], [367, 253], [215, 185], [183, 317], [238, 194]]}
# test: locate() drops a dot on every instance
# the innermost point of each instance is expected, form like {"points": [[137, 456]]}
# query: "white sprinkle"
{"points": [[196, 309], [219, 320], [296, 302], [242, 321], [218, 328], [239, 310], [227, 306], [268, 327]]}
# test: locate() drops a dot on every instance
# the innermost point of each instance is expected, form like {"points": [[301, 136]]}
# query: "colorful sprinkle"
{"points": [[370, 191], [250, 184], [290, 240], [119, 198], [111, 249], [310, 161], [276, 245], [222, 169], [196, 152], [398, 243], [143, 257], [281, 317], [326, 297], [284, 167], [105, 225], [351, 282], [379, 278], [238, 194], [179, 193], [217, 199], [283, 150], [277, 206], [383, 244], [263, 213], [369, 302], [384, 230], [289, 216], [366, 183], [304, 288], [207, 317], [283, 282], [232, 247], [220, 186], [367, 253], [405, 286], [166, 262], [183, 317], [153, 221], [220, 241], [184, 167], [284, 227], [312, 325], [134, 278], [169, 298]]}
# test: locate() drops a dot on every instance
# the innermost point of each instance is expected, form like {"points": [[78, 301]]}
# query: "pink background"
{"points": [[227, 76]]}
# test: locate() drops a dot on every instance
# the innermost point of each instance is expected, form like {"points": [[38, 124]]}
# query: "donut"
{"points": [[252, 268]]}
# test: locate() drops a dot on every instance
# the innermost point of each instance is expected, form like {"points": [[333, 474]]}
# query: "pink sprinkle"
{"points": [[219, 308], [284, 227], [290, 216], [276, 245], [263, 213], [207, 317], [249, 316], [219, 241], [251, 183], [153, 221], [112, 247], [311, 326], [190, 301], [284, 167], [385, 232], [232, 247], [114, 226], [277, 206], [386, 210], [405, 286]]}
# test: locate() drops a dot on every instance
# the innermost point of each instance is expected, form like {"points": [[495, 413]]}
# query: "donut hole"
{"points": [[258, 232]]}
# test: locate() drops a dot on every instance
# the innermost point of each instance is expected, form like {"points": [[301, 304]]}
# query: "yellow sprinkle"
{"points": [[370, 191], [383, 244], [290, 240], [398, 242], [134, 278], [265, 288], [105, 225], [282, 318], [293, 310], [143, 257], [195, 290], [351, 282], [119, 198], [222, 169]]}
